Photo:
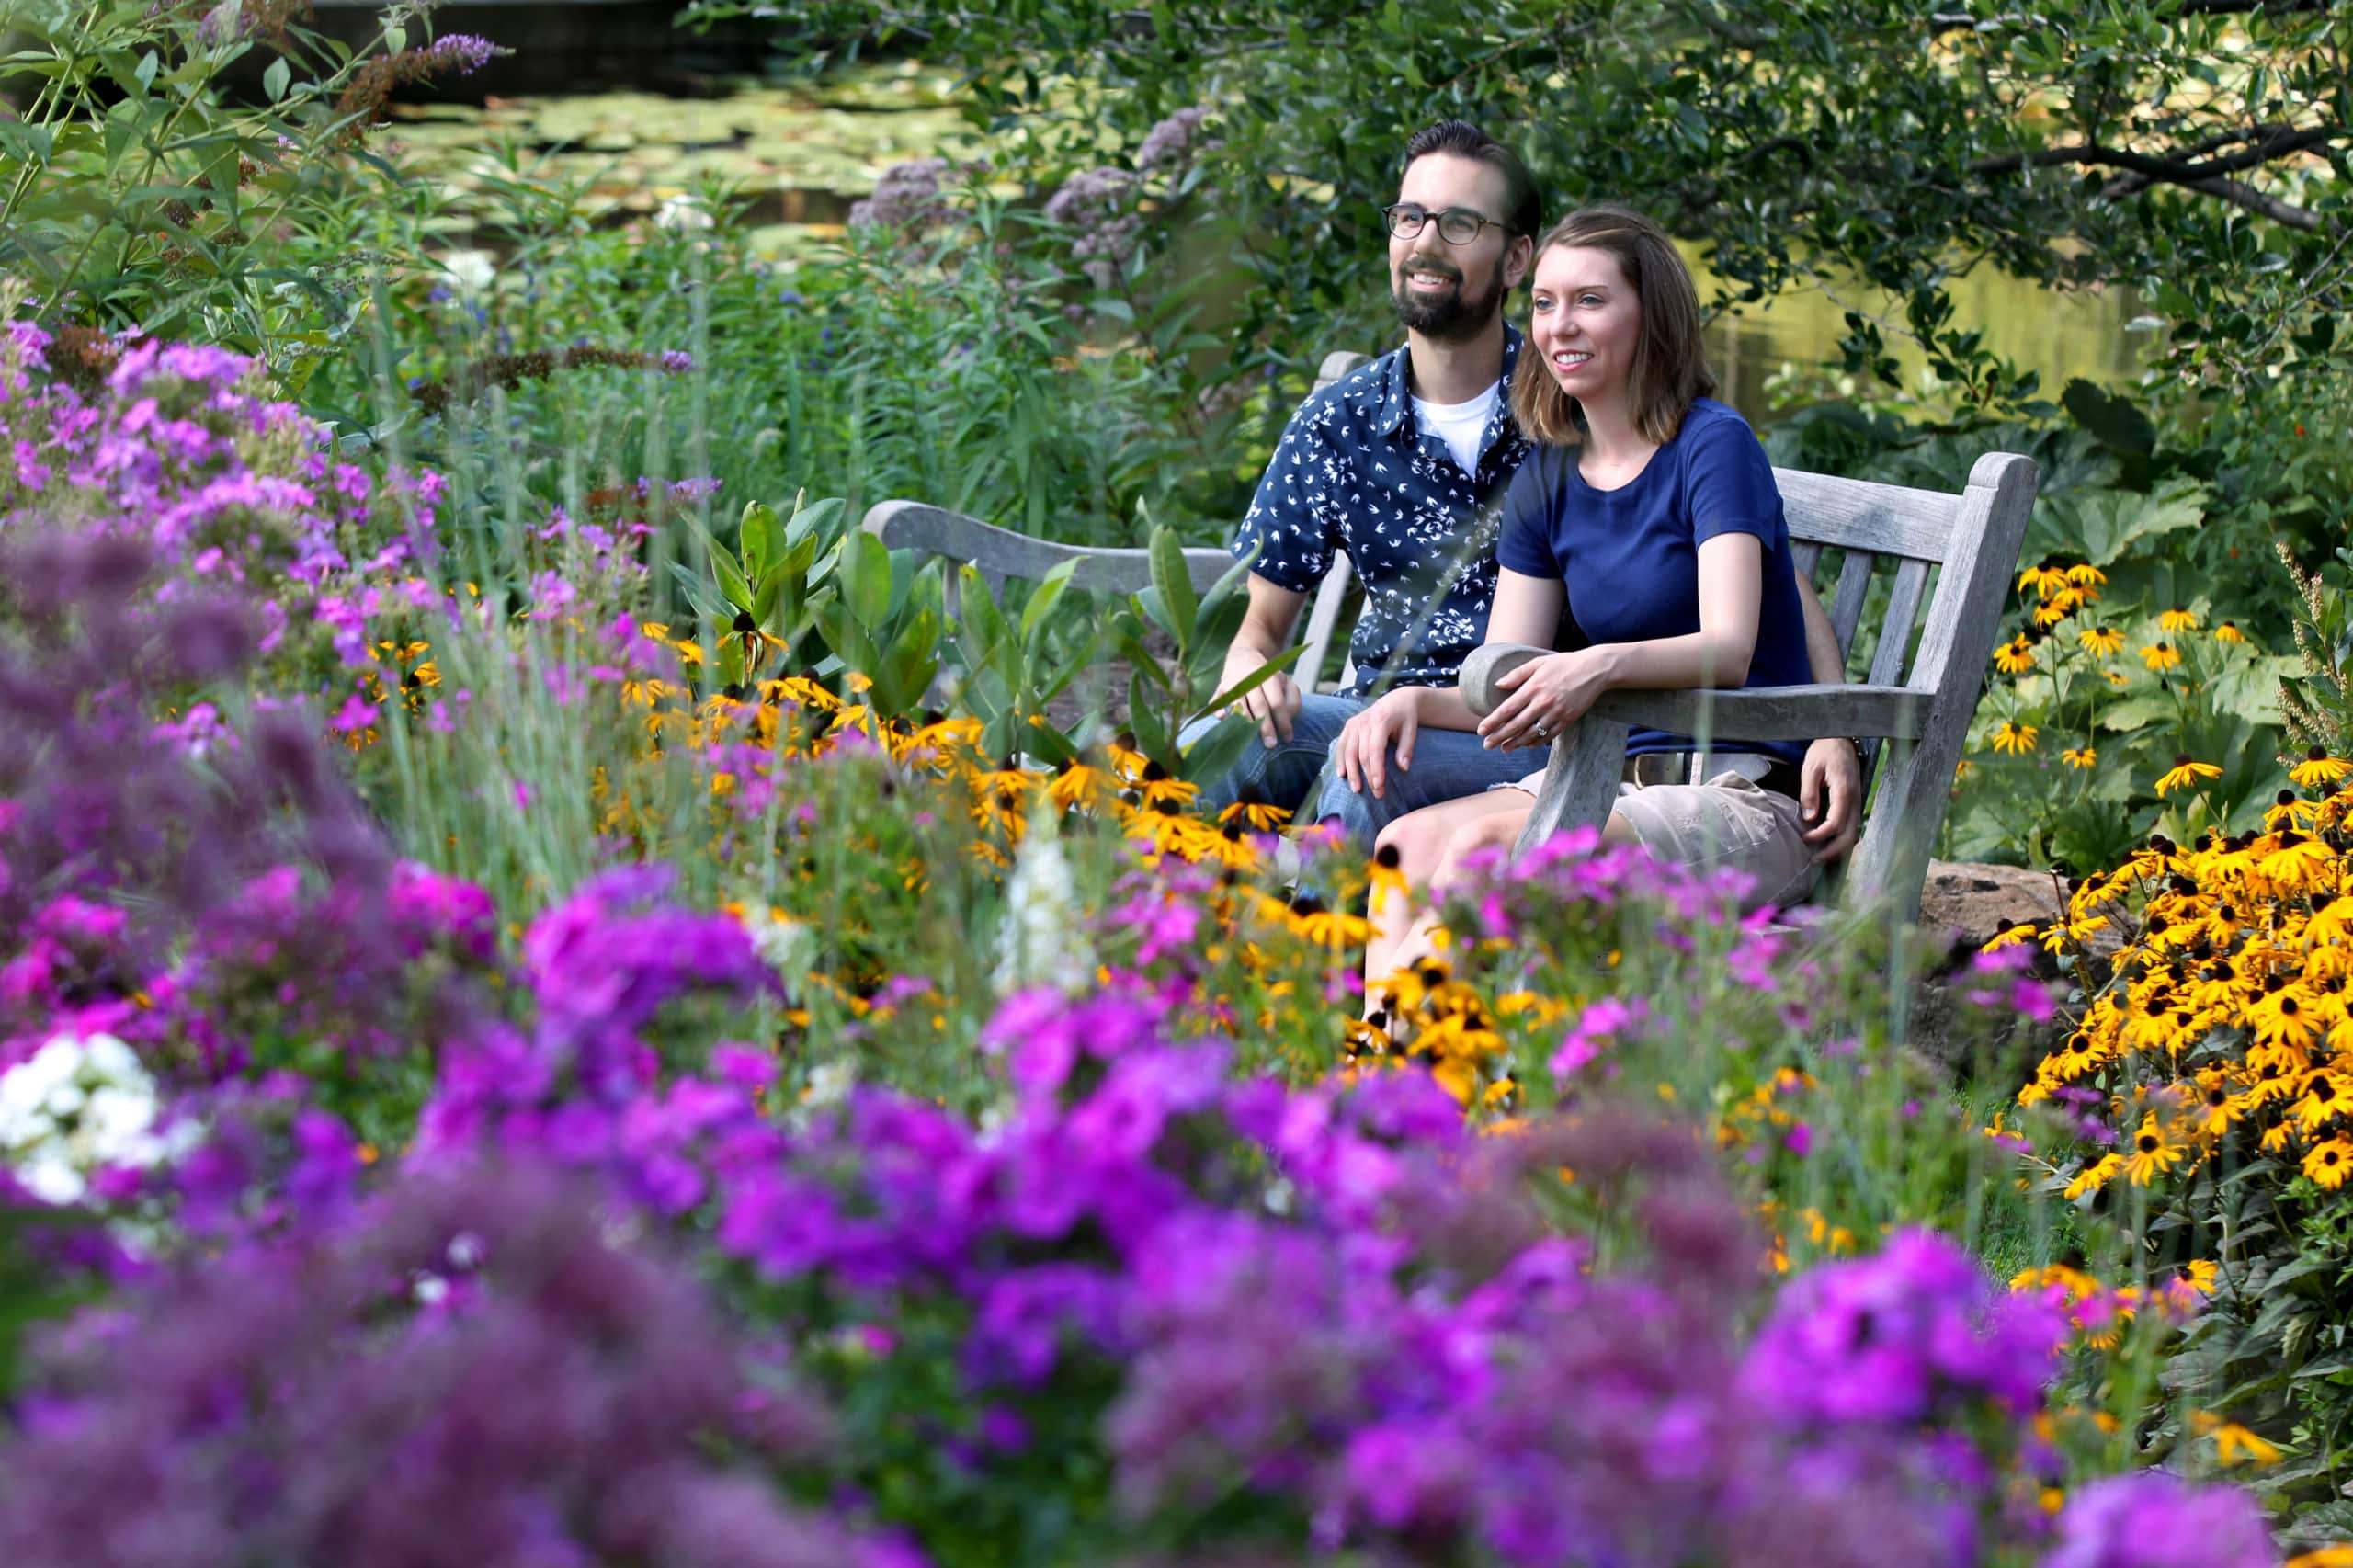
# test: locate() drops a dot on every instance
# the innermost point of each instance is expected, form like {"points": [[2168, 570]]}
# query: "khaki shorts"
{"points": [[1729, 820]]}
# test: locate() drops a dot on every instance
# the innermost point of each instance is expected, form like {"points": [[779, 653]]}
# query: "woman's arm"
{"points": [[1526, 610], [1548, 695]]}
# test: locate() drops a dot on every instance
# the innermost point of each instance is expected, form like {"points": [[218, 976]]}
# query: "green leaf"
{"points": [[1253, 680], [1036, 613], [1175, 586], [759, 536], [988, 642], [1152, 731], [1214, 754], [274, 81], [866, 578]]}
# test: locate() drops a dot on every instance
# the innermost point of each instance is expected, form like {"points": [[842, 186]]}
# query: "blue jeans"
{"points": [[1286, 773], [1293, 774], [1447, 765]]}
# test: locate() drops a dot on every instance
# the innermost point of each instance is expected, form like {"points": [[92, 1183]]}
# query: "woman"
{"points": [[1648, 512]]}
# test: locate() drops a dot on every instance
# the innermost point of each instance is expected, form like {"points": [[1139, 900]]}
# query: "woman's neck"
{"points": [[1610, 436]]}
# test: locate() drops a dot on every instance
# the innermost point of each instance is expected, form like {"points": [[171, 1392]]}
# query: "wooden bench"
{"points": [[1920, 701], [1000, 553]]}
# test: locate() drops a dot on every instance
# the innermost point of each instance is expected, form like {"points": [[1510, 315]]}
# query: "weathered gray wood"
{"points": [[1001, 553], [1955, 642], [1895, 642], [1806, 553], [1580, 780], [1847, 607], [1761, 713], [1323, 620], [1886, 520], [1773, 712]]}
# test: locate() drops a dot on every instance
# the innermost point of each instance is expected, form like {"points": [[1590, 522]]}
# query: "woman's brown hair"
{"points": [[1670, 366]]}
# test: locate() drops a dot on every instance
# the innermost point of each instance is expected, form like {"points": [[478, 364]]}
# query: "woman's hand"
{"points": [[1363, 747], [1548, 695]]}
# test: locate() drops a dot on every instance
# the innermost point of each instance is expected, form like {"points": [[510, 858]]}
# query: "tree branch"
{"points": [[2207, 177]]}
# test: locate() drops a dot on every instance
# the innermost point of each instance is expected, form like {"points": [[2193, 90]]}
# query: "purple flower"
{"points": [[2153, 1520]]}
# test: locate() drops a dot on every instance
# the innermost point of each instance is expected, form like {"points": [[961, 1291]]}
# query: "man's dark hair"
{"points": [[1523, 209]]}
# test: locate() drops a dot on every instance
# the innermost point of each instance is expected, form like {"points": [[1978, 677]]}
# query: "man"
{"points": [[1403, 464]]}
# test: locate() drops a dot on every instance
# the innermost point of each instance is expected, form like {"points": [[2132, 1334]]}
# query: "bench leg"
{"points": [[1580, 782]]}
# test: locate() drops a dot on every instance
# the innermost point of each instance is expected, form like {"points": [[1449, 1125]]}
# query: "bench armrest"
{"points": [[1757, 713]]}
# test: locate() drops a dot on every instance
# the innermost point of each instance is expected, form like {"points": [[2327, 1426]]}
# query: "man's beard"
{"points": [[1455, 318]]}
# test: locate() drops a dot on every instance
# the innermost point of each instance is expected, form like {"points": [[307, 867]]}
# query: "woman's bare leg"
{"points": [[1429, 857]]}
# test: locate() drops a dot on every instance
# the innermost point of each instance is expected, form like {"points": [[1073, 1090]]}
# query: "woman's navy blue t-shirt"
{"points": [[1630, 557]]}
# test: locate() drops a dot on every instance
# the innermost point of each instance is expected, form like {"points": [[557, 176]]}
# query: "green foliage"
{"points": [[2318, 699], [2200, 157], [139, 195]]}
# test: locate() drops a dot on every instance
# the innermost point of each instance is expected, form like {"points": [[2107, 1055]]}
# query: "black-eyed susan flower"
{"points": [[1079, 785], [2084, 575], [2329, 1164], [2094, 1177], [2015, 656], [2161, 656], [2100, 639], [2080, 758], [2051, 611], [2015, 738], [2044, 580], [1159, 788], [2228, 631], [1255, 811], [2326, 1097], [2177, 620], [2153, 1153], [2318, 768], [2214, 1106], [2185, 772]]}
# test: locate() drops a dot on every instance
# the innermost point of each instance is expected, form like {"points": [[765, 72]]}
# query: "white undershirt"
{"points": [[1459, 424]]}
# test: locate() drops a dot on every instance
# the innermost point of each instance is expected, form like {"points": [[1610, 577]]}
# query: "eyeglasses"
{"points": [[1456, 225]]}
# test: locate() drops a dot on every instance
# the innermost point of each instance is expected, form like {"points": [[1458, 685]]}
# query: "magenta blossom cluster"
{"points": [[474, 1367]]}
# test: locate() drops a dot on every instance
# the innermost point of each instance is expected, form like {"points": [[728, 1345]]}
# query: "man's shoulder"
{"points": [[1357, 401]]}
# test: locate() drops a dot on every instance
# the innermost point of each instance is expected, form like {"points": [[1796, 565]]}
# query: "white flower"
{"points": [[472, 272], [829, 1084], [78, 1106], [1037, 940], [682, 213], [784, 944]]}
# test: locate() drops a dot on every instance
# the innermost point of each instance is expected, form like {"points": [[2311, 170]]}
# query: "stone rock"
{"points": [[1976, 902], [1967, 904]]}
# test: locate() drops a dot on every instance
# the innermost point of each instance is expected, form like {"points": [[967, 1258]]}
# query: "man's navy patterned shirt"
{"points": [[1354, 473]]}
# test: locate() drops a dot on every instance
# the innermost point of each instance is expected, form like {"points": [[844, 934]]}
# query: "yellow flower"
{"points": [[2228, 631], [2044, 580], [2096, 1176], [2161, 656], [2233, 1442], [2154, 1153], [2053, 611], [2079, 757], [2015, 738], [2015, 656], [1962, 769], [2100, 639], [2318, 767], [2329, 1164], [2177, 620], [2084, 575], [2339, 1556], [2024, 931], [2185, 774]]}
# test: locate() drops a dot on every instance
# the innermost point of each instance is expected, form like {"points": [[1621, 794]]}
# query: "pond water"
{"points": [[803, 153]]}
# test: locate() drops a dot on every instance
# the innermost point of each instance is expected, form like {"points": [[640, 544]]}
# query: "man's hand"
{"points": [[1365, 740], [1830, 796], [1273, 702]]}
